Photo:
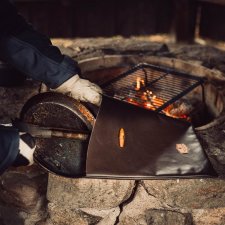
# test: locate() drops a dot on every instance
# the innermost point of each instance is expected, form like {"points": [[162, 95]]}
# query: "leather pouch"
{"points": [[135, 143]]}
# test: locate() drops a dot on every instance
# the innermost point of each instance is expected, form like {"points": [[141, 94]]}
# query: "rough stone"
{"points": [[88, 193], [209, 216], [89, 47], [15, 216], [210, 56], [188, 193], [167, 217], [213, 141], [12, 99], [64, 216], [67, 216], [18, 190], [23, 196], [135, 211], [111, 217]]}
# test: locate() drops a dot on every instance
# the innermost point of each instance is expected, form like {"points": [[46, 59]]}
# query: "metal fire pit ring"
{"points": [[60, 155]]}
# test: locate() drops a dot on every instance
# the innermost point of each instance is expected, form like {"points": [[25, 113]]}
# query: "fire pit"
{"points": [[201, 197], [158, 88]]}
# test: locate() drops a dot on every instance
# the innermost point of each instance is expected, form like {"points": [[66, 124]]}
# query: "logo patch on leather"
{"points": [[182, 148]]}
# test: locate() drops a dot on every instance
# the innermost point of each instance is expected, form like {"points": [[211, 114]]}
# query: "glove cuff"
{"points": [[26, 150], [67, 86]]}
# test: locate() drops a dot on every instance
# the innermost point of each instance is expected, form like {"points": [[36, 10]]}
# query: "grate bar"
{"points": [[180, 95], [166, 84]]}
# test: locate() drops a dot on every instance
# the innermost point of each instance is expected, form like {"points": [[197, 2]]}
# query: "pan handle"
{"points": [[49, 132]]}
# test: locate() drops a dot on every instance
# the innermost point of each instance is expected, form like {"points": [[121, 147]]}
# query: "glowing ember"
{"points": [[144, 97]]}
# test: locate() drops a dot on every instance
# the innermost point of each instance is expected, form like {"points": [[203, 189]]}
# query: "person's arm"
{"points": [[9, 147], [33, 54], [16, 149]]}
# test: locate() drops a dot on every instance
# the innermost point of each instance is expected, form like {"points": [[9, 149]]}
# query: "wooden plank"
{"points": [[30, 1], [185, 20], [91, 18], [212, 21], [218, 2]]}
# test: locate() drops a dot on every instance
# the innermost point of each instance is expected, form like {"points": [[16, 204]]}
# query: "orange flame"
{"points": [[139, 83]]}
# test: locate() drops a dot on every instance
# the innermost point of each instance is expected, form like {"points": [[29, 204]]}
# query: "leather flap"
{"points": [[154, 144]]}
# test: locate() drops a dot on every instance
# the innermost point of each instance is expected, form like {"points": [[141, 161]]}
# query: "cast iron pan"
{"points": [[62, 156]]}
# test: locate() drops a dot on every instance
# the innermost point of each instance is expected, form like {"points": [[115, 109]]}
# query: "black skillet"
{"points": [[59, 155]]}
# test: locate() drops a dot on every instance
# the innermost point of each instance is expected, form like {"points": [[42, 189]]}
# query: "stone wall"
{"points": [[31, 196]]}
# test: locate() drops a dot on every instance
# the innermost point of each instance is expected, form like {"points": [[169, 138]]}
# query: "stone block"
{"points": [[88, 193], [20, 190], [134, 212], [209, 216], [23, 196], [189, 193], [12, 99], [65, 216], [167, 217], [145, 209]]}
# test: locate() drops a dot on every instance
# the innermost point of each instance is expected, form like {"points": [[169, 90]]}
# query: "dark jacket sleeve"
{"points": [[31, 52], [9, 147]]}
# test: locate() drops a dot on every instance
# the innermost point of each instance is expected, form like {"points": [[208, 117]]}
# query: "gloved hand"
{"points": [[26, 150], [81, 89]]}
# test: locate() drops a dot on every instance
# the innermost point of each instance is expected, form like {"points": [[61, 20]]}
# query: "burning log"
{"points": [[180, 109]]}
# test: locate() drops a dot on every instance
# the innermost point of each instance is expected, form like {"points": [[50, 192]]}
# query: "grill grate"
{"points": [[150, 86]]}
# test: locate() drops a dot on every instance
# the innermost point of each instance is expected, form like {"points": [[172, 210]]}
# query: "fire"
{"points": [[144, 97], [139, 84], [167, 111]]}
